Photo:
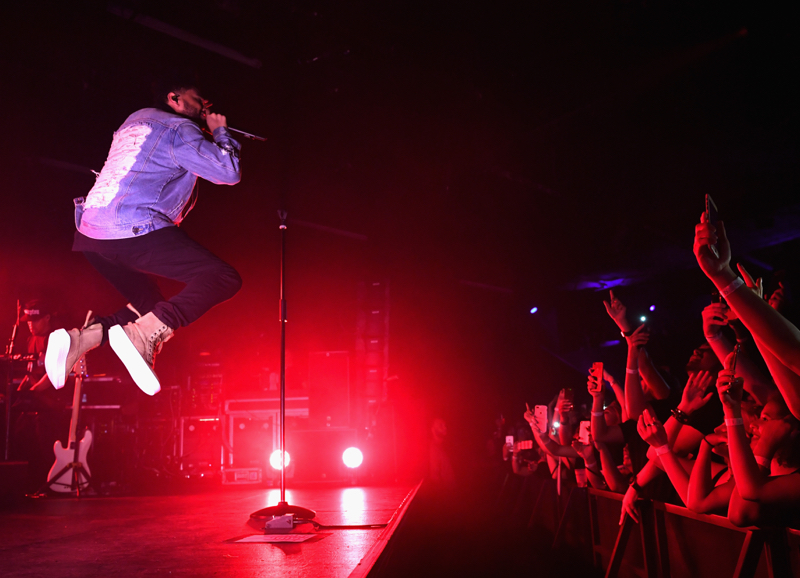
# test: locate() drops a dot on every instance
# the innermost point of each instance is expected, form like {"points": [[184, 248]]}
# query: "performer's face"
{"points": [[40, 327], [189, 103]]}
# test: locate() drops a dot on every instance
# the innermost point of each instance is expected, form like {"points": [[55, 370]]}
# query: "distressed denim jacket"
{"points": [[147, 181]]}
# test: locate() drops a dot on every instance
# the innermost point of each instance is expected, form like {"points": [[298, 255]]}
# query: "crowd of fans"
{"points": [[725, 443]]}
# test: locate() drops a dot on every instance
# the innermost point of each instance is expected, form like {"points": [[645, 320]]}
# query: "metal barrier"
{"points": [[670, 541]]}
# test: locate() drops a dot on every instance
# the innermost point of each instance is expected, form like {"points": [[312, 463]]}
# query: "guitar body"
{"points": [[64, 457]]}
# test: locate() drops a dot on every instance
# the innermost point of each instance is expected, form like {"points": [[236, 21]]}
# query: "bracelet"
{"points": [[635, 485], [713, 337], [732, 421], [730, 288], [631, 371], [709, 443], [762, 461], [598, 413], [661, 450], [680, 416]]}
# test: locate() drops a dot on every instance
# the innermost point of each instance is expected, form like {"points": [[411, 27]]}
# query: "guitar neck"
{"points": [[76, 403]]}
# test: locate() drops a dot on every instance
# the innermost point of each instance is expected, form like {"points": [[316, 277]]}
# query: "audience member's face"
{"points": [[703, 359], [772, 411]]}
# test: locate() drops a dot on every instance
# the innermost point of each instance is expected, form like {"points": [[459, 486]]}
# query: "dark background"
{"points": [[483, 158]]}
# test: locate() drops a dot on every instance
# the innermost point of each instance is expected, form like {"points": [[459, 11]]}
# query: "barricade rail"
{"points": [[670, 541]]}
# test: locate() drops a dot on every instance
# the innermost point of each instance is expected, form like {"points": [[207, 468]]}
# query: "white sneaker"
{"points": [[136, 345], [65, 348]]}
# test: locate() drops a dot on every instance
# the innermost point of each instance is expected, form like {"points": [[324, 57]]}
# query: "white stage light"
{"points": [[352, 457], [275, 459]]}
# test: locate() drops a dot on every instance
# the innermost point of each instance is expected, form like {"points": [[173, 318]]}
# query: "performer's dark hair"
{"points": [[171, 81]]}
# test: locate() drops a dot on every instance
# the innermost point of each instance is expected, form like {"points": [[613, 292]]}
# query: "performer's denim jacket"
{"points": [[147, 181]]}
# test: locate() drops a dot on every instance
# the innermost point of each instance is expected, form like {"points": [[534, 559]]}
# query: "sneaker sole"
{"points": [[55, 359], [142, 375]]}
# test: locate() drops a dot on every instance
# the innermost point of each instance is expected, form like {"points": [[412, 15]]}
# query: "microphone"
{"points": [[241, 132], [247, 134]]}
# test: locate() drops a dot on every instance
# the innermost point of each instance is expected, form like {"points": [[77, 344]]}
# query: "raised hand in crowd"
{"points": [[719, 315], [703, 495], [766, 471], [696, 393], [600, 430], [786, 380], [769, 328], [715, 317], [618, 312], [653, 432], [530, 417], [589, 455], [563, 409]]}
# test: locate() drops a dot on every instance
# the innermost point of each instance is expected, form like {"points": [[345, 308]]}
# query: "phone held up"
{"points": [[712, 216], [583, 432], [736, 349]]}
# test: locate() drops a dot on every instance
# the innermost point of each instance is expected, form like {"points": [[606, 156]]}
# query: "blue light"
{"points": [[652, 308], [534, 309]]}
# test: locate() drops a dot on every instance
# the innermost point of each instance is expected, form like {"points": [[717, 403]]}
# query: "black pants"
{"points": [[171, 254]]}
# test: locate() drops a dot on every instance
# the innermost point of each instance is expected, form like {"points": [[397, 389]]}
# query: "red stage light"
{"points": [[352, 457]]}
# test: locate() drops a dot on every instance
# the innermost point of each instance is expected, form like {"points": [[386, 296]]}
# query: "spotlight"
{"points": [[652, 308], [534, 309], [642, 318], [556, 424], [275, 459], [352, 457]]}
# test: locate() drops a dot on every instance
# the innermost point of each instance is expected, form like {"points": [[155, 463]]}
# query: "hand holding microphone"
{"points": [[214, 121]]}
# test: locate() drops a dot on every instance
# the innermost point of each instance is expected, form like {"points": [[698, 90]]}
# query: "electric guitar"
{"points": [[70, 472]]}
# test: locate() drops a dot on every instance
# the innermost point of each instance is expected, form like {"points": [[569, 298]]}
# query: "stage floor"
{"points": [[190, 535]]}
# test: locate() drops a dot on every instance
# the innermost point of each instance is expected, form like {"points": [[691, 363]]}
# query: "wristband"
{"points": [[709, 443], [635, 485], [631, 371], [598, 413], [732, 421], [762, 461], [713, 337], [680, 416], [661, 450], [733, 286]]}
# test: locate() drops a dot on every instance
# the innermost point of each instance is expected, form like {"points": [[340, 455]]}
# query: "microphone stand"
{"points": [[283, 507]]}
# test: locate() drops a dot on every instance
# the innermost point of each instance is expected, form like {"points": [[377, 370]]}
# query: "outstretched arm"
{"points": [[634, 395], [616, 481], [702, 496], [771, 328], [651, 431]]}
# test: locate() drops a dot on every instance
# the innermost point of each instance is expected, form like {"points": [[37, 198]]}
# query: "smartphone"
{"points": [[510, 441], [712, 216], [567, 394], [540, 417], [597, 371], [736, 349], [583, 432], [716, 297]]}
